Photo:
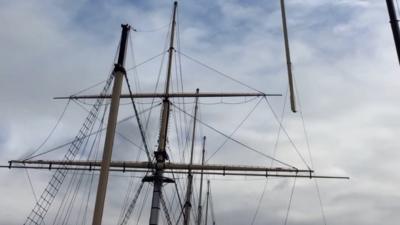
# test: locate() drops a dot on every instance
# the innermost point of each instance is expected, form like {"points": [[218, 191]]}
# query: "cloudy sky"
{"points": [[347, 78]]}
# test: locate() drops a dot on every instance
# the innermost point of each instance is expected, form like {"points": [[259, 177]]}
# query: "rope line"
{"points": [[234, 131], [310, 155], [282, 117], [286, 133], [51, 132], [236, 141], [31, 185], [86, 136], [142, 134], [146, 61], [219, 72], [151, 30], [134, 67], [290, 201]]}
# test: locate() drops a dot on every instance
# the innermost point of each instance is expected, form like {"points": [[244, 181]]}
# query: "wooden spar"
{"points": [[189, 188], [174, 95], [163, 166], [395, 25], [288, 60], [199, 207], [215, 172], [119, 73]]}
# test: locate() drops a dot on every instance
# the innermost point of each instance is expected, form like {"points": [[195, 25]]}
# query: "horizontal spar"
{"points": [[128, 170], [173, 95], [165, 166]]}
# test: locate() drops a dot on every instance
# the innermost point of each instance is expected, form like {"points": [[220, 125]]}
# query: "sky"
{"points": [[347, 81]]}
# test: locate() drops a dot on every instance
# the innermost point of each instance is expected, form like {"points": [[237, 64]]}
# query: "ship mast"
{"points": [[200, 207], [119, 73], [189, 187], [395, 26], [161, 155]]}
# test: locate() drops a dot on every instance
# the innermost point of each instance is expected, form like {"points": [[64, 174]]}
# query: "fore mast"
{"points": [[119, 73]]}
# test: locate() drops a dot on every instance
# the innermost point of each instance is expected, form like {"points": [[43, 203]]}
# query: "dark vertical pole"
{"points": [[119, 73], [189, 188], [288, 61], [395, 25]]}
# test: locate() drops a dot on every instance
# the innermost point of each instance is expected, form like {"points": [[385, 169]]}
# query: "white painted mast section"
{"points": [[161, 154], [288, 60], [200, 207], [119, 73], [189, 188]]}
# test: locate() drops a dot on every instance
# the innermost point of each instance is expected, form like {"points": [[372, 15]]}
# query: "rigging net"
{"points": [[42, 206]]}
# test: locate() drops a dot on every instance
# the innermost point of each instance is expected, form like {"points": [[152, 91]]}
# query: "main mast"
{"points": [[161, 155]]}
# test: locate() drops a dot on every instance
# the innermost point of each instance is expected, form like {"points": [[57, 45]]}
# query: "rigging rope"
{"points": [[234, 131], [219, 72], [151, 30], [282, 117], [93, 133], [138, 120], [51, 132], [123, 120], [310, 155], [290, 201], [178, 64], [132, 205], [286, 133], [146, 61], [236, 141], [68, 201], [134, 67], [42, 206], [165, 209], [144, 200], [31, 185]]}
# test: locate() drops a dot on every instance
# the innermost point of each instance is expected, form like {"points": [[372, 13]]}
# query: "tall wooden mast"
{"points": [[119, 73], [161, 155]]}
